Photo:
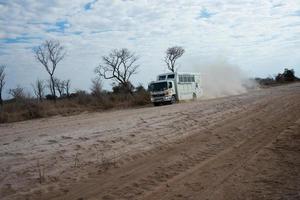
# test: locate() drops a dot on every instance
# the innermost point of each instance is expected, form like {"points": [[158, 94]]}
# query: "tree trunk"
{"points": [[1, 100], [127, 88], [53, 88], [67, 91]]}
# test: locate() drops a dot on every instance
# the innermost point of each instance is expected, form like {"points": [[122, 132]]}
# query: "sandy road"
{"points": [[239, 147]]}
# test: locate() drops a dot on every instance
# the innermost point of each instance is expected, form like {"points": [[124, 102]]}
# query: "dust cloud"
{"points": [[221, 79]]}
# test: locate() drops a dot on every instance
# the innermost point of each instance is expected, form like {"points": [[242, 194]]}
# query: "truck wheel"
{"points": [[156, 104], [173, 100], [194, 96]]}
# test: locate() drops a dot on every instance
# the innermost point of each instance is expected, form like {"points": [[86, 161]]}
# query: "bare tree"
{"points": [[172, 54], [49, 54], [50, 86], [2, 82], [62, 86], [96, 87], [17, 93], [59, 85], [39, 89], [67, 85], [119, 66]]}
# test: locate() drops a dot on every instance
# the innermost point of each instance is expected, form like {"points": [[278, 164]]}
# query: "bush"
{"points": [[50, 97], [34, 110], [4, 117], [287, 76], [123, 89], [266, 81], [77, 102], [142, 96]]}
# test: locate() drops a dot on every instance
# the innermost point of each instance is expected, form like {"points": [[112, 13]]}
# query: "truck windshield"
{"points": [[162, 77], [154, 87]]}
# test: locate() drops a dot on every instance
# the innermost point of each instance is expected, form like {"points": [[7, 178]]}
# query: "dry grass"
{"points": [[25, 109]]}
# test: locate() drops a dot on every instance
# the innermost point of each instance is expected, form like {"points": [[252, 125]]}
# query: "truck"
{"points": [[175, 86]]}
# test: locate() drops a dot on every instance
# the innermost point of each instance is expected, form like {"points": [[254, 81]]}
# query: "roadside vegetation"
{"points": [[23, 107], [288, 76]]}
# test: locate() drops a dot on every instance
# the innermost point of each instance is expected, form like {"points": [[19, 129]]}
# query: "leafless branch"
{"points": [[172, 54], [59, 86], [67, 84], [17, 93], [49, 54], [96, 87], [2, 82], [39, 89], [119, 66]]}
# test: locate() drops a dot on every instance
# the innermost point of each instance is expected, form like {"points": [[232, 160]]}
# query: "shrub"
{"points": [[287, 76], [50, 97], [28, 108]]}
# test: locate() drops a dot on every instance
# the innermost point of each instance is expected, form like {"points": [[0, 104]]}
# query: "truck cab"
{"points": [[162, 91]]}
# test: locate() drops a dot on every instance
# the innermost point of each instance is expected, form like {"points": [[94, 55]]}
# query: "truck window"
{"points": [[193, 79], [180, 78], [171, 76], [186, 78], [156, 87], [160, 78]]}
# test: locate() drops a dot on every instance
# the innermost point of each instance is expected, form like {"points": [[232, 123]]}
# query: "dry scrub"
{"points": [[25, 108]]}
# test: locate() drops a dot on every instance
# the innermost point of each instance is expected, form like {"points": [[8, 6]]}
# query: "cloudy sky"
{"points": [[260, 36]]}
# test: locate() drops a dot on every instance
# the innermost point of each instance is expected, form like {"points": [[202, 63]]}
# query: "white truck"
{"points": [[177, 86]]}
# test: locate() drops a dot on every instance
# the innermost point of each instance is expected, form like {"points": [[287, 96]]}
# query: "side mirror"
{"points": [[170, 85]]}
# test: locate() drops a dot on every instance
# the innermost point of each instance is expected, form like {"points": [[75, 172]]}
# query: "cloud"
{"points": [[259, 36]]}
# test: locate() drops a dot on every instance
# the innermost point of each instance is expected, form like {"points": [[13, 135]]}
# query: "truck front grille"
{"points": [[158, 95]]}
